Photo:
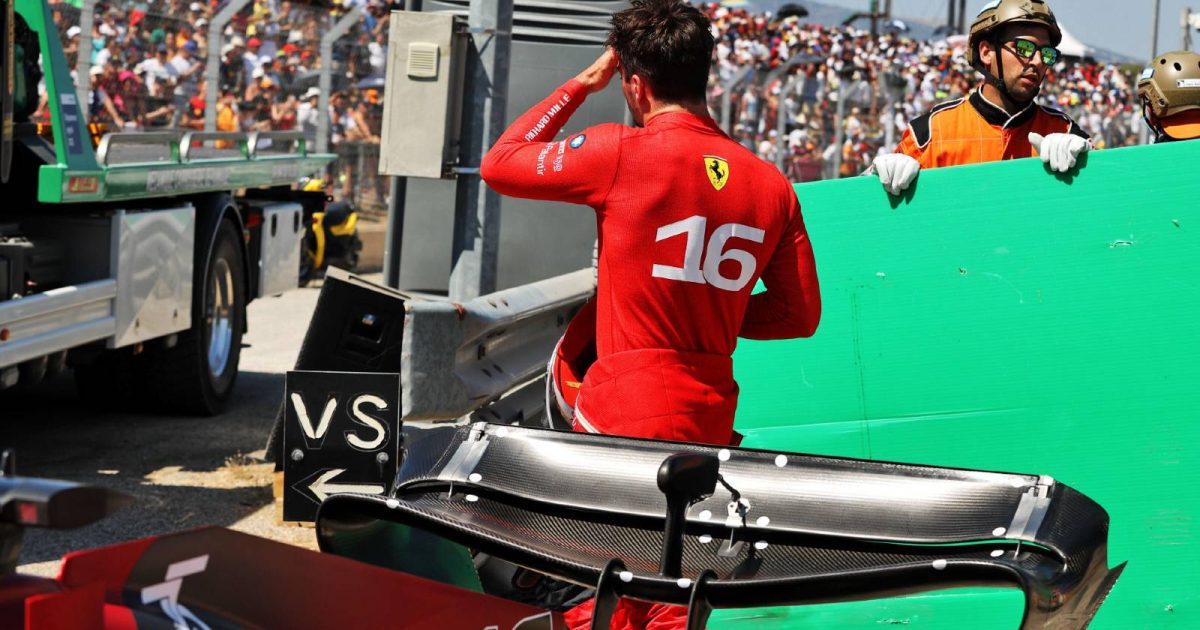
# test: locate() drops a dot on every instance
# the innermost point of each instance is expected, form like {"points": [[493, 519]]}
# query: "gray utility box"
{"points": [[422, 113], [281, 239], [152, 258], [551, 43]]}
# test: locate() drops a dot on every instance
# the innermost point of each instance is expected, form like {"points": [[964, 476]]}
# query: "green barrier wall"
{"points": [[1002, 318]]}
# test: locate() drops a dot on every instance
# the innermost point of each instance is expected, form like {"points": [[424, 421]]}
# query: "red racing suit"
{"points": [[688, 222]]}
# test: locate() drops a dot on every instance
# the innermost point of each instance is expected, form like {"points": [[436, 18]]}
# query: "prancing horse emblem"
{"points": [[717, 170]]}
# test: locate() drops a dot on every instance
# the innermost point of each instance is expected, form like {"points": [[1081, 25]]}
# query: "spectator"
{"points": [[256, 108], [283, 113], [307, 115], [187, 71], [232, 73], [227, 117], [160, 75], [71, 45], [100, 107], [192, 117]]}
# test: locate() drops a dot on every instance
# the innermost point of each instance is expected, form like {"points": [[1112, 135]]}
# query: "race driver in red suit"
{"points": [[688, 222]]}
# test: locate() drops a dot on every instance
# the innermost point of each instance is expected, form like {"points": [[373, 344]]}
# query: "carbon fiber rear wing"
{"points": [[778, 528]]}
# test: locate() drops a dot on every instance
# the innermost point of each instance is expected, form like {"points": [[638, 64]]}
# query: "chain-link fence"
{"points": [[354, 174], [250, 65], [237, 65]]}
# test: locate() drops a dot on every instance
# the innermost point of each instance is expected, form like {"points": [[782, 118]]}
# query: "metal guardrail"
{"points": [[170, 139], [191, 138], [56, 320], [181, 143], [457, 357], [299, 144]]}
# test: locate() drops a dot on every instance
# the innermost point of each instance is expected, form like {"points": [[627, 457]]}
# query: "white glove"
{"points": [[1059, 150], [896, 171]]}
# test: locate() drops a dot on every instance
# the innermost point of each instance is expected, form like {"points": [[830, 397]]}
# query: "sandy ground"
{"points": [[181, 472]]}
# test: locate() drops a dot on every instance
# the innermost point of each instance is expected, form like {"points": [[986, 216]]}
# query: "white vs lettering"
{"points": [[316, 433], [703, 264], [361, 417]]}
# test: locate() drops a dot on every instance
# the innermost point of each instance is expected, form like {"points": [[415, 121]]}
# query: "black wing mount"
{"points": [[780, 528]]}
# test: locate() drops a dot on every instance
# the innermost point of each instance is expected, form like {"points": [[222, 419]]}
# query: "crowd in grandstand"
{"points": [[147, 67], [886, 80], [147, 71]]}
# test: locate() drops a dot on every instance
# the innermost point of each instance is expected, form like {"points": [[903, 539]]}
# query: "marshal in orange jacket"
{"points": [[973, 130]]}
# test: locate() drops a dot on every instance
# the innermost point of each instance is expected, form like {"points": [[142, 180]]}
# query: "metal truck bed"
{"points": [[155, 164]]}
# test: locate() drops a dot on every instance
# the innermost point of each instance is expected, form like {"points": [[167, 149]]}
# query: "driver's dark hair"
{"points": [[669, 43]]}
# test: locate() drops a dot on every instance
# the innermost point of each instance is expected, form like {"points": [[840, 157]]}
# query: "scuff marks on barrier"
{"points": [[962, 271]]}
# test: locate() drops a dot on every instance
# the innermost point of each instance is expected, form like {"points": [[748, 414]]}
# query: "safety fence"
{"points": [[354, 175], [814, 124], [267, 65], [797, 92], [237, 65]]}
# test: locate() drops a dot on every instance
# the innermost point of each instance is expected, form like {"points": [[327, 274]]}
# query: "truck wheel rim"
{"points": [[220, 317]]}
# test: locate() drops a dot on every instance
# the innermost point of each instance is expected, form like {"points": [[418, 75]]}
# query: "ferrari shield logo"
{"points": [[717, 170]]}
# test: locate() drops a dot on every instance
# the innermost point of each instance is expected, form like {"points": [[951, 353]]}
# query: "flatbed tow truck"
{"points": [[131, 256]]}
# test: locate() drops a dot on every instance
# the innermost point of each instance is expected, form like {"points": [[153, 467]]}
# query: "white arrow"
{"points": [[322, 488]]}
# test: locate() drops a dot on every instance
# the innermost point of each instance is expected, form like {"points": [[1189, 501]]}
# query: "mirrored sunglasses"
{"points": [[1026, 49]]}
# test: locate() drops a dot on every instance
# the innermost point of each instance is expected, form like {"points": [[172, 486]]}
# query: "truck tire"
{"points": [[196, 375]]}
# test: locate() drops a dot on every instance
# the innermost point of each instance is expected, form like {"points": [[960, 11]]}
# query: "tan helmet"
{"points": [[1171, 83], [998, 13]]}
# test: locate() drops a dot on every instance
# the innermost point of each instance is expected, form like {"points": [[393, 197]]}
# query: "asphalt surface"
{"points": [[181, 472]]}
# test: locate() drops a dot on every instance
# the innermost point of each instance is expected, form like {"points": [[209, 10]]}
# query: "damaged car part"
{"points": [[589, 509]]}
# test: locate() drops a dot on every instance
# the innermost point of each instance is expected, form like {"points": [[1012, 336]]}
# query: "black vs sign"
{"points": [[342, 434]]}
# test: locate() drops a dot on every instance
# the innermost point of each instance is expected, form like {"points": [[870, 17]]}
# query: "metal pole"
{"points": [[1185, 22], [83, 56], [397, 191], [394, 240], [356, 196], [962, 17], [726, 115], [781, 120], [951, 20], [839, 134], [726, 99], [1143, 130], [325, 79], [477, 207], [1154, 36], [874, 18], [325, 76], [889, 138], [212, 67]]}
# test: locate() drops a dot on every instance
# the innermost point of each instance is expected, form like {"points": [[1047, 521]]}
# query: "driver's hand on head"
{"points": [[1059, 150], [597, 76], [896, 171]]}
